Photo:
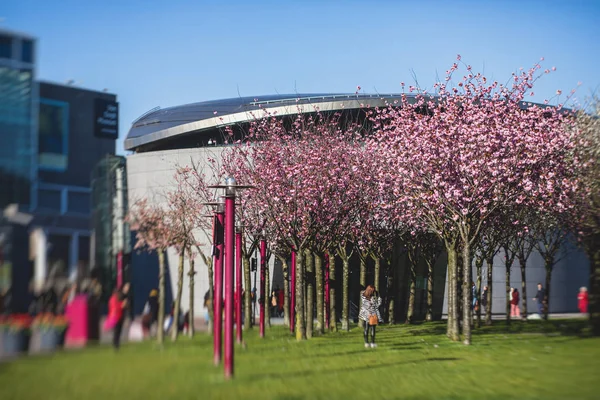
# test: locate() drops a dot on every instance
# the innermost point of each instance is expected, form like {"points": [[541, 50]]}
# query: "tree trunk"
{"points": [[211, 296], [175, 325], [390, 292], [429, 314], [523, 264], [345, 294], [191, 310], [478, 268], [332, 285], [490, 274], [412, 292], [247, 293], [363, 283], [286, 291], [310, 293], [160, 337], [320, 293], [466, 292], [300, 321], [592, 248], [377, 278], [549, 264], [452, 329]]}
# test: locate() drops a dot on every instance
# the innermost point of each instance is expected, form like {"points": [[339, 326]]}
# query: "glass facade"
{"points": [[108, 184], [53, 139], [16, 124]]}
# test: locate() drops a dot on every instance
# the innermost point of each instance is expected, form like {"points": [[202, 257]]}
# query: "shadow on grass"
{"points": [[566, 327], [308, 373], [558, 327]]}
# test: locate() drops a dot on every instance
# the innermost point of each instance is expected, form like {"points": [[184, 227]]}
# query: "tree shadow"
{"points": [[566, 327], [309, 373]]}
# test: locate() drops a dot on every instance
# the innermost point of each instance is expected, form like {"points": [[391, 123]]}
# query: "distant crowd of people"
{"points": [[53, 297], [514, 299]]}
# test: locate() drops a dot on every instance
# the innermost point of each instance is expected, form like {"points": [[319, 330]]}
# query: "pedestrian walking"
{"points": [[483, 301], [117, 307], [514, 304], [274, 300], [540, 299], [150, 313], [475, 300], [583, 300]]}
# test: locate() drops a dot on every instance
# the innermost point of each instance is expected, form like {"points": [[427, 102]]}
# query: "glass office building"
{"points": [[18, 147]]}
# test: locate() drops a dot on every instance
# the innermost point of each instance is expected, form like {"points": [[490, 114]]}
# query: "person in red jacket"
{"points": [[514, 304], [583, 300]]}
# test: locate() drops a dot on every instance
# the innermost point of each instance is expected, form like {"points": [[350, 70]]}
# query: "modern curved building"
{"points": [[198, 124], [163, 139]]}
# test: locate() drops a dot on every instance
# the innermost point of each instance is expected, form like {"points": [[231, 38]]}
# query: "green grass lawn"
{"points": [[533, 360]]}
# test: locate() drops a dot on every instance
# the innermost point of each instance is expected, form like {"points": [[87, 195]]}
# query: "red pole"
{"points": [[238, 284], [263, 264], [119, 269], [229, 274], [218, 291], [327, 300], [293, 294]]}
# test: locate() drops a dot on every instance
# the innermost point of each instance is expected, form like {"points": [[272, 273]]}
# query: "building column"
{"points": [[41, 257], [73, 256]]}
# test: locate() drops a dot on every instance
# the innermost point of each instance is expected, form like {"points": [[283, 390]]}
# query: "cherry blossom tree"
{"points": [[183, 209], [471, 149], [586, 215], [549, 237], [296, 189], [151, 226]]}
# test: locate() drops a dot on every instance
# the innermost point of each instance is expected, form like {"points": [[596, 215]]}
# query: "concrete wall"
{"points": [[150, 175], [568, 275]]}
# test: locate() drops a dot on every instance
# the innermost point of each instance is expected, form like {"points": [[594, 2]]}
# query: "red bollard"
{"points": [[263, 264], [229, 275], [293, 294], [327, 299], [218, 290], [238, 284]]}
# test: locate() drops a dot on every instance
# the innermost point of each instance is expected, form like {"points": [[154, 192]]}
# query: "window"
{"points": [[53, 135], [79, 202], [27, 51], [49, 199], [5, 46]]}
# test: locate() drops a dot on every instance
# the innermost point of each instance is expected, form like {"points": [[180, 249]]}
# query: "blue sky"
{"points": [[165, 53]]}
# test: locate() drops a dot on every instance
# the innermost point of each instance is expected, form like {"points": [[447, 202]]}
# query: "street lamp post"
{"points": [[263, 264], [229, 273], [293, 293], [238, 282], [327, 294], [218, 292]]}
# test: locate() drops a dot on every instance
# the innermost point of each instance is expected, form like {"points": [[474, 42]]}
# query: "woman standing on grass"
{"points": [[369, 313]]}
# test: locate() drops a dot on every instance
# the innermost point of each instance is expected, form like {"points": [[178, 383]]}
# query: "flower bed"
{"points": [[16, 332], [51, 329]]}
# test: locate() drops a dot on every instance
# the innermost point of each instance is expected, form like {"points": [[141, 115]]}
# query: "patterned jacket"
{"points": [[369, 307]]}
